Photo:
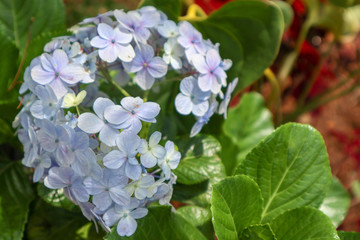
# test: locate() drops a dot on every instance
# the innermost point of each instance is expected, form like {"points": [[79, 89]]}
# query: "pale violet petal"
{"points": [[183, 104], [108, 135], [126, 226], [90, 123]]}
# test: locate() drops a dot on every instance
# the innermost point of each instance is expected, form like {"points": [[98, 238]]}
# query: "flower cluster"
{"points": [[95, 149]]}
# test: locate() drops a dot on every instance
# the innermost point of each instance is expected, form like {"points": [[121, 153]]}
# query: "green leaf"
{"points": [[349, 235], [55, 198], [258, 232], [336, 203], [49, 222], [16, 15], [171, 8], [6, 132], [186, 193], [198, 217], [231, 26], [236, 203], [291, 167], [15, 197], [8, 68], [228, 154], [200, 163], [192, 170], [247, 124], [161, 224], [287, 12], [303, 223]]}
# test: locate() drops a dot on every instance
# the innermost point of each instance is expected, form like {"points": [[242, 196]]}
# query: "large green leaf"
{"points": [[291, 167], [15, 197], [199, 217], [337, 202], [247, 124], [303, 223], [253, 26], [258, 232], [349, 235], [16, 15], [162, 224], [287, 11], [49, 222], [236, 203], [171, 8], [200, 163]]}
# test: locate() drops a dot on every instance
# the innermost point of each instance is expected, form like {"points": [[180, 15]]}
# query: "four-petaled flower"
{"points": [[57, 71], [113, 44], [146, 66]]}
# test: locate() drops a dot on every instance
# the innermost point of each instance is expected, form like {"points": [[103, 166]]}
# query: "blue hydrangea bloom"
{"points": [[146, 66], [151, 152], [56, 71], [113, 44], [128, 144], [64, 177], [203, 120], [131, 111], [225, 103], [137, 23], [107, 190], [48, 104], [40, 163], [124, 217], [91, 123], [55, 139], [142, 188], [168, 29], [192, 98], [173, 53], [171, 159], [212, 76], [191, 39]]}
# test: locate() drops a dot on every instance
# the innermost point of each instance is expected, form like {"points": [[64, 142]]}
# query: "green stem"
{"points": [[289, 61], [146, 95], [77, 110], [106, 74], [310, 83], [337, 86], [275, 98]]}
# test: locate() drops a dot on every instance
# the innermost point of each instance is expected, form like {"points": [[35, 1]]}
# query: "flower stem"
{"points": [[107, 76], [275, 98]]}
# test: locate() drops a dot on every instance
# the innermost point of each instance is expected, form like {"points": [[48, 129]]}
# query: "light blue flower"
{"points": [[171, 159], [146, 66], [191, 39], [55, 139], [137, 23], [64, 177], [107, 190], [173, 53], [225, 103], [28, 138], [192, 98], [151, 152], [168, 29], [56, 71], [142, 188], [40, 163], [201, 121], [113, 44], [48, 104], [91, 123], [124, 217], [212, 76], [128, 144], [131, 111], [100, 18]]}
